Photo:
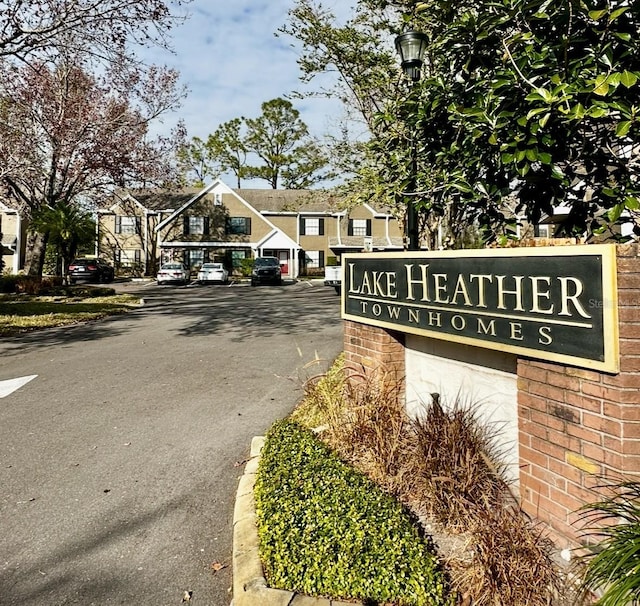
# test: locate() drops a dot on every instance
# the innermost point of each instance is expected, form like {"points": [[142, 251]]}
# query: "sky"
{"points": [[231, 62]]}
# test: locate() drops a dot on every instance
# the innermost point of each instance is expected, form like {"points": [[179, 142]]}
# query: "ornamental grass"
{"points": [[445, 466]]}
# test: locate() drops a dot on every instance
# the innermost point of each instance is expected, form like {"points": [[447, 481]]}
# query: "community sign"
{"points": [[551, 303]]}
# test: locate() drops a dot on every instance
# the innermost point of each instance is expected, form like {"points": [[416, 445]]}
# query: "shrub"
{"points": [[326, 529], [246, 267], [28, 285], [445, 468], [512, 562], [362, 418], [454, 465], [373, 429], [8, 283], [50, 286], [313, 272], [323, 398], [614, 568]]}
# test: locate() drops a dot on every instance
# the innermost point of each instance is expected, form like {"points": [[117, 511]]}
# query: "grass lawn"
{"points": [[22, 313]]}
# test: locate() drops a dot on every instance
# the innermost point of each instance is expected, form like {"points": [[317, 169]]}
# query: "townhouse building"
{"points": [[304, 229]]}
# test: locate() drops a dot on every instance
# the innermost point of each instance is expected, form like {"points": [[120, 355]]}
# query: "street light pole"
{"points": [[411, 47]]}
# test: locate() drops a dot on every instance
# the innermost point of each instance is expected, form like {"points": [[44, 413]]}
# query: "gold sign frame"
{"points": [[564, 299]]}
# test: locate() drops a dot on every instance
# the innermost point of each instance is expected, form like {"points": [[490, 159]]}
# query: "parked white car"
{"points": [[173, 273], [213, 272]]}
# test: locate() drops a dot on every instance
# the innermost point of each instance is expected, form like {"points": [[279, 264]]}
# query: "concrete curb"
{"points": [[249, 585]]}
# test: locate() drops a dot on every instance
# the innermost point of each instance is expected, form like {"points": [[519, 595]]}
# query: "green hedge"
{"points": [[29, 285], [326, 530], [49, 285]]}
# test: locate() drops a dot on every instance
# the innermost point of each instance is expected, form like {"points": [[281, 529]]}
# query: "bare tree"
{"points": [[74, 136], [104, 27]]}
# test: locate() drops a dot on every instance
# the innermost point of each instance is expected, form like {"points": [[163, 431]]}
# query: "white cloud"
{"points": [[231, 61]]}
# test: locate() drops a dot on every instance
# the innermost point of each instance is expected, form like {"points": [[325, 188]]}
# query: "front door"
{"points": [[283, 256]]}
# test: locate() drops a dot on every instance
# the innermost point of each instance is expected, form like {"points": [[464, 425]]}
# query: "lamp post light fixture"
{"points": [[411, 47]]}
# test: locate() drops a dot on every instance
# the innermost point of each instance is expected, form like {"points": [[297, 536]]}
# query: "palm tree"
{"points": [[66, 227]]}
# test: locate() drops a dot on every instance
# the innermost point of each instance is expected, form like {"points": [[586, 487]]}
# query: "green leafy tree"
{"points": [[195, 162], [532, 101], [229, 149], [543, 96], [223, 151], [280, 139]]}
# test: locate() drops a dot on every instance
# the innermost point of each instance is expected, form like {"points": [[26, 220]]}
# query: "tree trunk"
{"points": [[34, 257]]}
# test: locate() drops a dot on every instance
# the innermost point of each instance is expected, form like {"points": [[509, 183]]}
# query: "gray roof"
{"points": [[357, 242], [263, 200], [290, 200], [164, 200]]}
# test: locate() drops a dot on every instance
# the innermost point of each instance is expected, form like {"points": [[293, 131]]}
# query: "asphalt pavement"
{"points": [[120, 458]]}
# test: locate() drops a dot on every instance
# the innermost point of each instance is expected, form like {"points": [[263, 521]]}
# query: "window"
{"points": [[194, 257], [312, 226], [130, 256], [238, 226], [314, 259], [127, 225], [196, 226], [237, 256], [543, 231], [359, 227]]}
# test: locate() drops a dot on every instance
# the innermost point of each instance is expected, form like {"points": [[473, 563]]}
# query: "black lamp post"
{"points": [[411, 47]]}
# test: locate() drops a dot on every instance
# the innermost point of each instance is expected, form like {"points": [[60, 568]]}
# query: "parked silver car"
{"points": [[213, 272], [173, 273]]}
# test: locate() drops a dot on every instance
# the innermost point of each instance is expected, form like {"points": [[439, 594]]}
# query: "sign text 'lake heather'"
{"points": [[552, 303]]}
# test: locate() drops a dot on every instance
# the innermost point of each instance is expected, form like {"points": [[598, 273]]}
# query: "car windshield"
{"points": [[266, 261], [172, 266]]}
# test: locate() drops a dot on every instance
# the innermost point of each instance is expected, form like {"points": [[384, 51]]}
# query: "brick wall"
{"points": [[374, 349], [577, 425]]}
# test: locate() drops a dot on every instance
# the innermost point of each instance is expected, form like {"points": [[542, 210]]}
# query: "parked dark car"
{"points": [[90, 269], [266, 270]]}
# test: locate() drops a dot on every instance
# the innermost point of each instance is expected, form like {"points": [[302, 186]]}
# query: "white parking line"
{"points": [[11, 385]]}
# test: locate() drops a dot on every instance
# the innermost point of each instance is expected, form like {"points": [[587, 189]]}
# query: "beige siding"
{"points": [[9, 230], [287, 223], [211, 235], [259, 226], [135, 248]]}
